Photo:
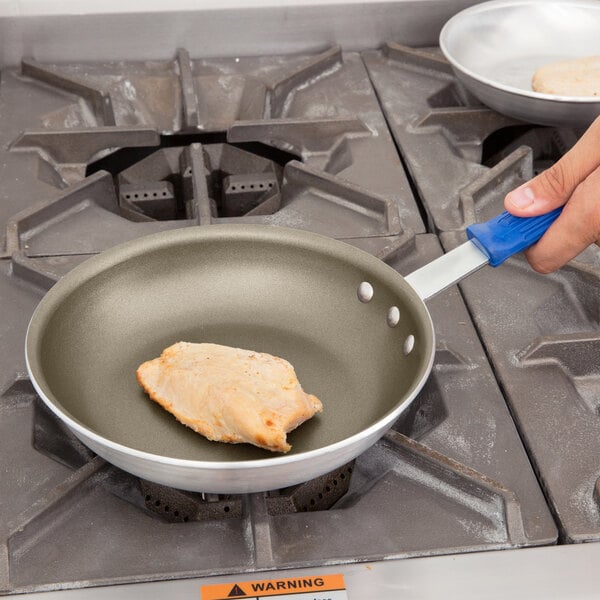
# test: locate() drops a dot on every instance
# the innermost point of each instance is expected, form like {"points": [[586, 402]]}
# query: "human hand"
{"points": [[574, 181]]}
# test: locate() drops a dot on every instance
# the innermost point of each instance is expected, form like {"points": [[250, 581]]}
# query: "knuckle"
{"points": [[541, 266], [555, 180], [588, 209], [540, 260]]}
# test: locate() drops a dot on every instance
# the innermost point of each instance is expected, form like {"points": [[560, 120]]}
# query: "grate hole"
{"points": [[226, 509]]}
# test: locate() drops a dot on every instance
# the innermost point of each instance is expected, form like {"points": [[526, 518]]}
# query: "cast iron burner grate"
{"points": [[52, 438], [200, 182], [545, 355], [547, 144], [259, 150], [466, 485], [157, 182]]}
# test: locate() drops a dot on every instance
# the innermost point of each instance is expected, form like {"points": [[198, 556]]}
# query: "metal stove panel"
{"points": [[471, 424], [320, 107], [454, 458], [455, 149], [18, 299], [547, 362], [539, 331], [468, 474]]}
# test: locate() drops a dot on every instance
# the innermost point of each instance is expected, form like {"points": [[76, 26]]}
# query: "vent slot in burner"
{"points": [[178, 506]]}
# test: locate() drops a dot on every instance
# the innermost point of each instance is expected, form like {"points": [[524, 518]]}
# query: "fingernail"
{"points": [[522, 197]]}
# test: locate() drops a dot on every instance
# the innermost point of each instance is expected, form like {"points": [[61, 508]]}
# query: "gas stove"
{"points": [[363, 135]]}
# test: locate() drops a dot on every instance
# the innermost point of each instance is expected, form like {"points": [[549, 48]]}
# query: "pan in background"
{"points": [[495, 48]]}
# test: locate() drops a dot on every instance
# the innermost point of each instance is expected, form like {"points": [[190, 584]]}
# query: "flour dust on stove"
{"points": [[541, 332], [345, 167], [100, 153]]}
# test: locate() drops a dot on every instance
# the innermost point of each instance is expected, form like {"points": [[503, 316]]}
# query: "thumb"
{"points": [[553, 187], [549, 190]]}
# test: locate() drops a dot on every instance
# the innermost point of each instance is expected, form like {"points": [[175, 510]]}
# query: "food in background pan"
{"points": [[229, 394], [576, 77]]}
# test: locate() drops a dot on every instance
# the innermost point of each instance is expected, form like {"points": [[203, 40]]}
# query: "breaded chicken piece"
{"points": [[575, 77], [229, 394]]}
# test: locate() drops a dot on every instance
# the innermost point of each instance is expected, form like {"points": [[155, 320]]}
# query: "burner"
{"points": [[547, 144], [53, 439], [320, 493], [201, 182], [174, 505], [179, 506], [292, 140]]}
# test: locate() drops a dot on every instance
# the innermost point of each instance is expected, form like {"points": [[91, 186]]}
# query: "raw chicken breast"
{"points": [[229, 394]]}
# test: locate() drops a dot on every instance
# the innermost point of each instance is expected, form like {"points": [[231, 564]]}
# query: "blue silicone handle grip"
{"points": [[505, 235]]}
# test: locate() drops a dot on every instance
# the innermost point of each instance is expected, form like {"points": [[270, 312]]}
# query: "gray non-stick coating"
{"points": [[285, 292]]}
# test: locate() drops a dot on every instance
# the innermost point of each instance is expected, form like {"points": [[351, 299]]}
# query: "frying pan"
{"points": [[286, 292], [495, 48]]}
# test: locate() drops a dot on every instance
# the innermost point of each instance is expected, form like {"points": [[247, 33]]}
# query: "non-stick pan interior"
{"points": [[272, 290]]}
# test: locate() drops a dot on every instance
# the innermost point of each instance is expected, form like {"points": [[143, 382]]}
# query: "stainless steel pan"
{"points": [[282, 291], [495, 48]]}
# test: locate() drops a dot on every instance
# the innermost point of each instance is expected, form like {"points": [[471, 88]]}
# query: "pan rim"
{"points": [[381, 425], [492, 5], [99, 262]]}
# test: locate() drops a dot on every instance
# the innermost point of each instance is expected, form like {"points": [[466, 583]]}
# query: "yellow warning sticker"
{"points": [[320, 587]]}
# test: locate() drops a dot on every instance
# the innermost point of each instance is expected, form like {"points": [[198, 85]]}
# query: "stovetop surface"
{"points": [[382, 149]]}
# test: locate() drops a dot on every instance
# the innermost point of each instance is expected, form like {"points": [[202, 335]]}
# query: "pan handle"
{"points": [[506, 235], [491, 243]]}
